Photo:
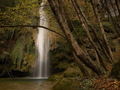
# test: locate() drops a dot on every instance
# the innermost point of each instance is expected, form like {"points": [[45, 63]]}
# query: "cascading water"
{"points": [[42, 44]]}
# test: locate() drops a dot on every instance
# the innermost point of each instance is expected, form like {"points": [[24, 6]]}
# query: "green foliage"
{"points": [[4, 56], [18, 43], [61, 57], [79, 31], [29, 44], [24, 49], [22, 13], [17, 53], [7, 3], [27, 63]]}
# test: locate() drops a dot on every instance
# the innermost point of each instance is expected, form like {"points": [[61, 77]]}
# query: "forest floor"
{"points": [[102, 83], [99, 83]]}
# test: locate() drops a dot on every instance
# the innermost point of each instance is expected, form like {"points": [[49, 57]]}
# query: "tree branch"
{"points": [[33, 26]]}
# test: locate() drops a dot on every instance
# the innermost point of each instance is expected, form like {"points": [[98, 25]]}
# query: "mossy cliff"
{"points": [[17, 44]]}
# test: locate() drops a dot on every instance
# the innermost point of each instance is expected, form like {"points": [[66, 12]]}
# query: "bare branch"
{"points": [[33, 26]]}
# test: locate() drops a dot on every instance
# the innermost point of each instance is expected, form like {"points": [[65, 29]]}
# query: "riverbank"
{"points": [[98, 83], [60, 83]]}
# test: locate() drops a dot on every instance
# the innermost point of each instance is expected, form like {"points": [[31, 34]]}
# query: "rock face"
{"points": [[17, 56], [17, 45], [115, 73]]}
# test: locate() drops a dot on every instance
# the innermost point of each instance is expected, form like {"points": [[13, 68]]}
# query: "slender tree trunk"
{"points": [[113, 7], [108, 49], [86, 28], [116, 26], [117, 5], [59, 13], [94, 32], [82, 67]]}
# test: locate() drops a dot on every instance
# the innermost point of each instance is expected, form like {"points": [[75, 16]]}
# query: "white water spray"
{"points": [[41, 69]]}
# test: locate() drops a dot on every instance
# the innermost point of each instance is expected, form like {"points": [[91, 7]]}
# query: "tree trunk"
{"points": [[82, 67], [86, 24], [117, 5], [80, 54], [116, 25], [108, 49]]}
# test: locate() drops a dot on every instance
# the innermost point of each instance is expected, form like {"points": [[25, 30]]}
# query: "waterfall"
{"points": [[42, 44]]}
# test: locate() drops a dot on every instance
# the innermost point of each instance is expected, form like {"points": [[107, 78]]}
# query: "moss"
{"points": [[61, 57], [74, 83], [86, 84], [17, 53], [72, 72], [3, 56], [55, 77], [66, 84], [28, 62], [17, 45]]}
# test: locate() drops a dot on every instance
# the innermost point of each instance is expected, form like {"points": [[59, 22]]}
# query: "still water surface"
{"points": [[23, 84]]}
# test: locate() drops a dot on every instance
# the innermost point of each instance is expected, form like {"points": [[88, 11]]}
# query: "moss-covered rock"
{"points": [[55, 77], [72, 72], [66, 84], [17, 45], [86, 84]]}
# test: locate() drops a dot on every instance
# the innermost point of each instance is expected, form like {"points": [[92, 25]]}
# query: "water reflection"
{"points": [[22, 84]]}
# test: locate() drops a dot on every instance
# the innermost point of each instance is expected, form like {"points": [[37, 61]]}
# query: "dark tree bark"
{"points": [[82, 67], [117, 5], [56, 6], [108, 49], [32, 26], [106, 7], [86, 26]]}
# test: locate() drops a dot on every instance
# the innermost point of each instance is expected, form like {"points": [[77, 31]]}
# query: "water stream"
{"points": [[42, 44]]}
